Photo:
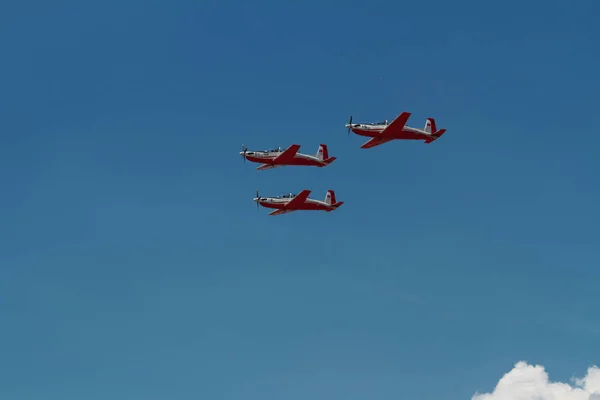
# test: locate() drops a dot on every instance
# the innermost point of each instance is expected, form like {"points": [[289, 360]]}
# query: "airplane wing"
{"points": [[265, 166], [298, 200], [398, 124], [376, 141], [288, 154], [281, 211]]}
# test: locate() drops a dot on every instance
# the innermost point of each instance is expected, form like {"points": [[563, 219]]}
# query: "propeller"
{"points": [[350, 127], [257, 198], [244, 150]]}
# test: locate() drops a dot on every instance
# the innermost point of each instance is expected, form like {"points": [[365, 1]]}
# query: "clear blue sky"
{"points": [[134, 263]]}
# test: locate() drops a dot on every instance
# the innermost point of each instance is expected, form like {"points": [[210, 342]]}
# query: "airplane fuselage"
{"points": [[407, 132], [268, 157], [309, 204]]}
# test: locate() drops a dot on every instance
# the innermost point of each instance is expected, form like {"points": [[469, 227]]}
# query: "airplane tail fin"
{"points": [[330, 197], [430, 125], [432, 130], [322, 153]]}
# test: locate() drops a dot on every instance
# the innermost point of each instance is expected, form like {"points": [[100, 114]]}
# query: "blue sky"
{"points": [[134, 263]]}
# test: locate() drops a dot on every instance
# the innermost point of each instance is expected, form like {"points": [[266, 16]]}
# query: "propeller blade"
{"points": [[350, 127]]}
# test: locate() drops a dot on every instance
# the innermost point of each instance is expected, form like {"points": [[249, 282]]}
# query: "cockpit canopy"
{"points": [[385, 122], [277, 150], [286, 196]]}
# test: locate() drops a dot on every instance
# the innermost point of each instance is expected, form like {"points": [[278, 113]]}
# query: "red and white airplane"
{"points": [[279, 158], [381, 132], [288, 203]]}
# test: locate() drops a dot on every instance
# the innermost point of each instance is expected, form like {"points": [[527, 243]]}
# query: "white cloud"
{"points": [[529, 382]]}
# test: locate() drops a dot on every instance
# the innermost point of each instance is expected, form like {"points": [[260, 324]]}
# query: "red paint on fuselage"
{"points": [[402, 135], [306, 206], [296, 161]]}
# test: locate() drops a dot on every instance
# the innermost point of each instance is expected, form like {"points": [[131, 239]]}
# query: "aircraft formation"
{"points": [[378, 132]]}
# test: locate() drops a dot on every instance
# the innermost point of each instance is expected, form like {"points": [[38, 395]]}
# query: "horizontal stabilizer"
{"points": [[439, 133], [435, 136], [329, 160], [335, 206]]}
